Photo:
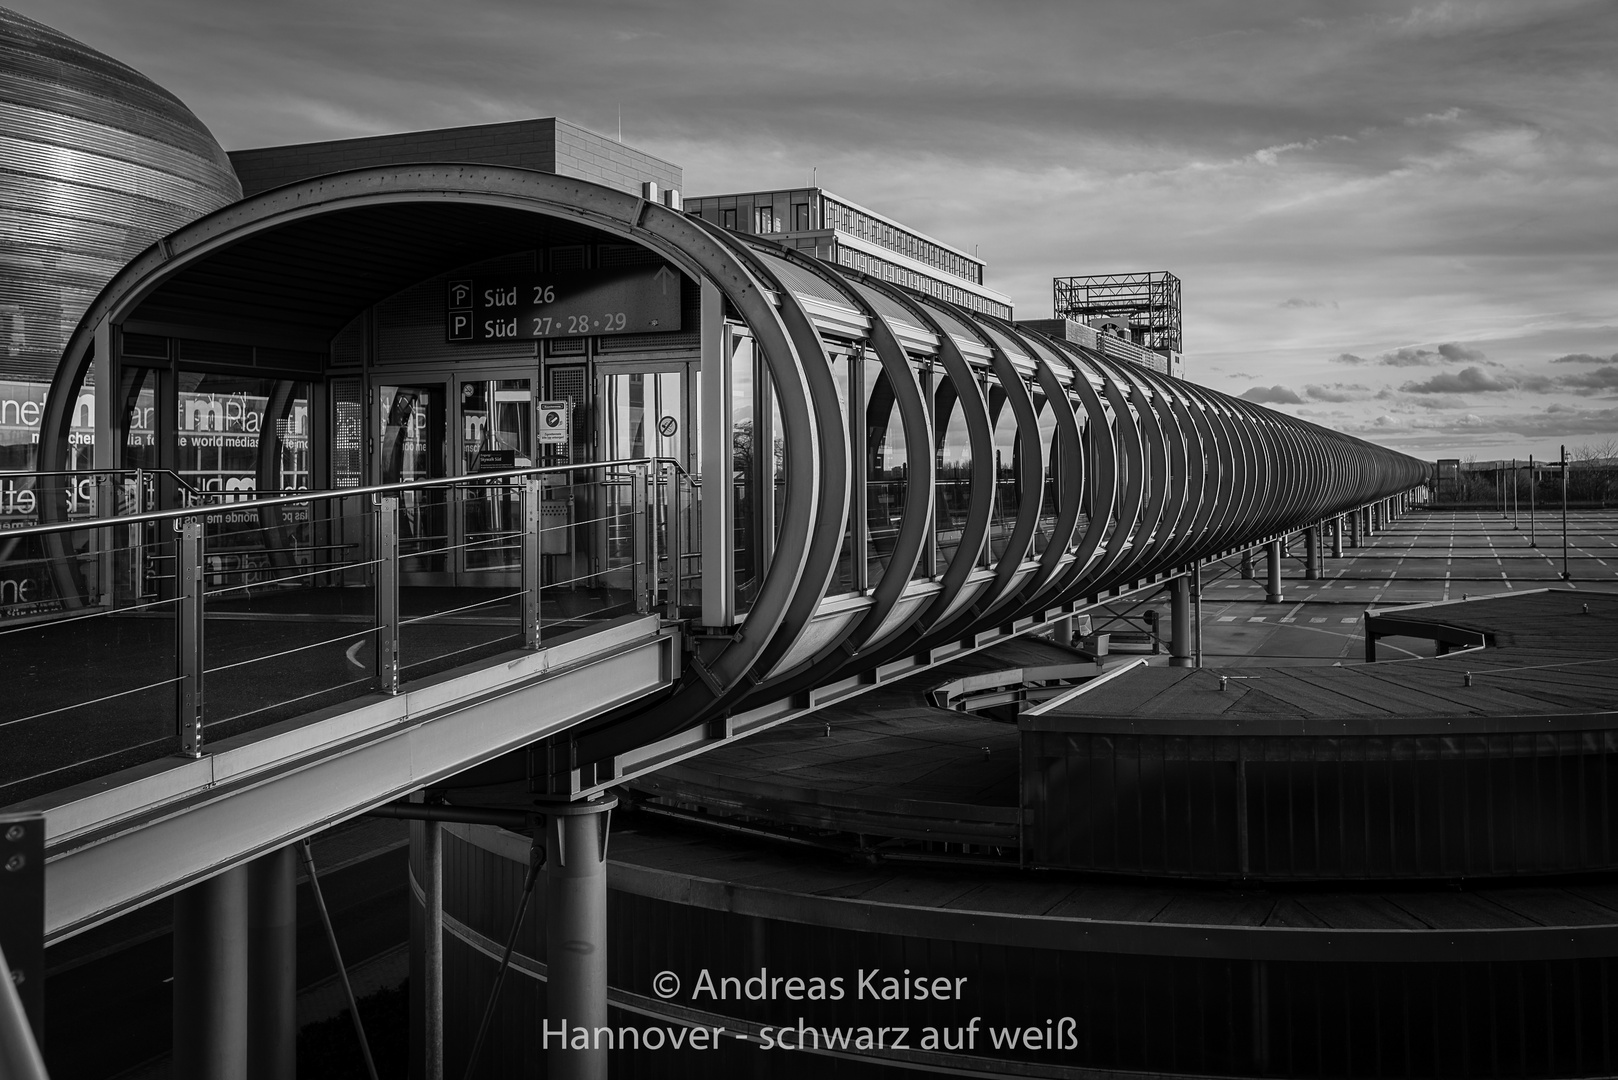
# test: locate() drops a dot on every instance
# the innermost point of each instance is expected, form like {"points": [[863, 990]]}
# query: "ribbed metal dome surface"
{"points": [[96, 162]]}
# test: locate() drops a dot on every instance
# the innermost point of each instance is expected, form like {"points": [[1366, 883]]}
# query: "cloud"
{"points": [[1602, 378], [1448, 116], [1415, 356], [1585, 358], [1337, 391], [1299, 302], [1408, 357], [1470, 380], [1556, 422], [1272, 395], [1459, 353], [1241, 375]]}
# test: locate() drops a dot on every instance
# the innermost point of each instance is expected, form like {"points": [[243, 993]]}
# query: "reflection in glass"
{"points": [[745, 472], [496, 434], [954, 488], [1007, 493], [237, 436], [887, 469], [1048, 501], [413, 447]]}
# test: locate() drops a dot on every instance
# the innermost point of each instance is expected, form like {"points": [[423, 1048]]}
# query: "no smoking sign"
{"points": [[553, 423]]}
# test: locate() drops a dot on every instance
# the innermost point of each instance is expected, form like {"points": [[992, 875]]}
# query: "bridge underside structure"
{"points": [[869, 482]]}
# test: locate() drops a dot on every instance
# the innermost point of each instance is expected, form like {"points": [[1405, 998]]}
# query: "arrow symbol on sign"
{"points": [[664, 275]]}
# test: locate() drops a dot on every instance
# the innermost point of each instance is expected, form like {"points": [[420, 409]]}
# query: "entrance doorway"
{"points": [[463, 424], [646, 409]]}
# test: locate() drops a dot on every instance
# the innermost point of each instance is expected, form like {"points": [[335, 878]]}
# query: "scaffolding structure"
{"points": [[1149, 302]]}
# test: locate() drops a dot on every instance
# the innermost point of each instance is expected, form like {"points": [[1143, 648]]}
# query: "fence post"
{"points": [[532, 562], [673, 524], [188, 581], [643, 540], [387, 594]]}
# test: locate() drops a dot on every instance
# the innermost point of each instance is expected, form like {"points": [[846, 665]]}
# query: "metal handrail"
{"points": [[314, 495]]}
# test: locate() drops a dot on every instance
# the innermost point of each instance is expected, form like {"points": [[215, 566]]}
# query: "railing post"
{"points": [[674, 525], [188, 581], [532, 562], [643, 540], [387, 594]]}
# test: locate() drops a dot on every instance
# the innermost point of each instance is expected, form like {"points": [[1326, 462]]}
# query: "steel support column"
{"points": [[210, 978], [433, 951], [1180, 622], [1247, 564], [1062, 632], [576, 935], [1272, 589], [1337, 537], [272, 966], [1354, 529], [1311, 552]]}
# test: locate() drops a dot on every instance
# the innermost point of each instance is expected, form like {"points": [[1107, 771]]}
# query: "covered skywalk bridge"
{"points": [[817, 483]]}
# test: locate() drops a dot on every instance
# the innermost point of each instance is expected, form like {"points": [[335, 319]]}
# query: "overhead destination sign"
{"points": [[581, 303]]}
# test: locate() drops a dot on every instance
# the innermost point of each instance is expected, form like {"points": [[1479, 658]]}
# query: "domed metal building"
{"points": [[96, 162]]}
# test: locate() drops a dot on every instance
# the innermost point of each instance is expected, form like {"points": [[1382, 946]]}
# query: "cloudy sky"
{"points": [[1397, 219]]}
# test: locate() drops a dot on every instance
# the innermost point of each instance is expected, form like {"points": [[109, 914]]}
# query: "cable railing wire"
{"points": [[93, 701], [291, 701], [289, 652]]}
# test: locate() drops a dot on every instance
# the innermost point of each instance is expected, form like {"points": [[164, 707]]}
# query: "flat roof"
{"points": [[852, 205]]}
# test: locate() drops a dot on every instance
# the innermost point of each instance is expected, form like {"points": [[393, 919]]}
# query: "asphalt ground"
{"points": [[1423, 556]]}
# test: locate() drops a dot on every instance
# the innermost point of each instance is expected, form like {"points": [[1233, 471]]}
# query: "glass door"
{"points": [[496, 434], [413, 444], [642, 410]]}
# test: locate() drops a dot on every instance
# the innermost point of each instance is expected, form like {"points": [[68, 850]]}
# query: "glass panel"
{"points": [[624, 415], [954, 496], [88, 692], [347, 433], [1007, 494], [745, 472], [236, 436], [414, 447], [496, 434], [887, 469], [843, 576], [777, 464], [1048, 502]]}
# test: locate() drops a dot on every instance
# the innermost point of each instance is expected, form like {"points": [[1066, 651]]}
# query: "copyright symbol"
{"points": [[665, 984]]}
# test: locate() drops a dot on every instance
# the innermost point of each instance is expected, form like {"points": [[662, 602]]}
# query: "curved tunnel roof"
{"points": [[1122, 474]]}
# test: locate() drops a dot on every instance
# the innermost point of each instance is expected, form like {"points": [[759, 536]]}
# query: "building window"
{"points": [[800, 217], [727, 219], [764, 219]]}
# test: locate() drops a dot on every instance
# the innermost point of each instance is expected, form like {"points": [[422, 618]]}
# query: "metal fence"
{"points": [[178, 627]]}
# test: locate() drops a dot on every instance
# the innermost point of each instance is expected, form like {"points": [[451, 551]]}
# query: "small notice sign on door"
{"points": [[554, 428]]}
